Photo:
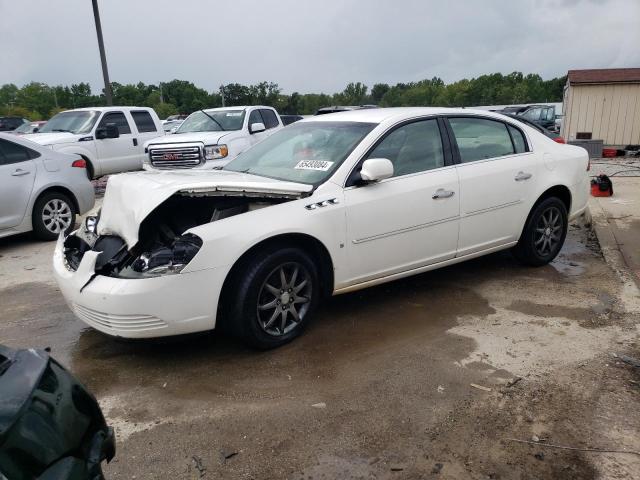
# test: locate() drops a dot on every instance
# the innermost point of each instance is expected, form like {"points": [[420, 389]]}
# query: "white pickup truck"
{"points": [[110, 139], [209, 139]]}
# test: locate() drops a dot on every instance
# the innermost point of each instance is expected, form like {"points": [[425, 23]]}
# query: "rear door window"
{"points": [[119, 119], [270, 119], [480, 139], [13, 153], [143, 121]]}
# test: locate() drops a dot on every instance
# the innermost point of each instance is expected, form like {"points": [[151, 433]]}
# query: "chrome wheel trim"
{"points": [[284, 299], [56, 215], [548, 232]]}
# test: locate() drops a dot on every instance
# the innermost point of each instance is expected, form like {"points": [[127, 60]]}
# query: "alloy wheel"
{"points": [[56, 215], [284, 297], [548, 233]]}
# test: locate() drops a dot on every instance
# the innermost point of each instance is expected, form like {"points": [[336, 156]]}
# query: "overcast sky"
{"points": [[312, 46]]}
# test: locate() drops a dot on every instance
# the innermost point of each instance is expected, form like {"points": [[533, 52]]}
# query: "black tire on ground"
{"points": [[53, 212], [259, 296], [544, 233]]}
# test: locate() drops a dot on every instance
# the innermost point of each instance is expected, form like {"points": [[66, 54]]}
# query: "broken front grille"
{"points": [[184, 155]]}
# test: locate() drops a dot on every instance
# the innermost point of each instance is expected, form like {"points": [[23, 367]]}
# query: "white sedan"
{"points": [[325, 206]]}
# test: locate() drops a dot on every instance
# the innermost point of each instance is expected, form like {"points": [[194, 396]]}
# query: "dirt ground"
{"points": [[380, 386]]}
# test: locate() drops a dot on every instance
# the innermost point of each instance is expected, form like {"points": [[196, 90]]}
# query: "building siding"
{"points": [[611, 112]]}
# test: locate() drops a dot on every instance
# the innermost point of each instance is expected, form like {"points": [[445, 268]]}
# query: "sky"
{"points": [[315, 46]]}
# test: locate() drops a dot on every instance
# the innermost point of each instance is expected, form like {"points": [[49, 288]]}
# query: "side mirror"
{"points": [[35, 130], [376, 169], [257, 127]]}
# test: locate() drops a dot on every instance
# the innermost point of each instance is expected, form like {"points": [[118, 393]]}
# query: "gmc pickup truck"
{"points": [[209, 139], [110, 139]]}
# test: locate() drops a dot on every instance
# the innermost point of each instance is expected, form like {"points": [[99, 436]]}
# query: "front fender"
{"points": [[225, 241]]}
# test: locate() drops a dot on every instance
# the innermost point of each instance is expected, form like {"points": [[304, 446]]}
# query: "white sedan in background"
{"points": [[325, 206], [40, 190]]}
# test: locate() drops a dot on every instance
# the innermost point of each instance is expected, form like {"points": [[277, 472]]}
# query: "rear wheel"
{"points": [[275, 296], [544, 233], [53, 213]]}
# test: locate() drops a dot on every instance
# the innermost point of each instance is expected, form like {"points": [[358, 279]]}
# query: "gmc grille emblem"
{"points": [[169, 156]]}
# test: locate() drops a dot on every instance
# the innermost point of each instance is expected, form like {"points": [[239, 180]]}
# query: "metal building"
{"points": [[602, 104]]}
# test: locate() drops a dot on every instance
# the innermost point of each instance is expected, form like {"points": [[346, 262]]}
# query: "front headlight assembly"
{"points": [[215, 152], [164, 260]]}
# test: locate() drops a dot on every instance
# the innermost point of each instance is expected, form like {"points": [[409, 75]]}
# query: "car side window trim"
{"points": [[446, 150], [454, 144]]}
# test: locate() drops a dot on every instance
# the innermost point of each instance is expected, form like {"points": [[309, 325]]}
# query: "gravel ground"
{"points": [[426, 377], [616, 167]]}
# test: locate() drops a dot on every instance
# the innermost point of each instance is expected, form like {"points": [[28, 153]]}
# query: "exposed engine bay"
{"points": [[163, 247]]}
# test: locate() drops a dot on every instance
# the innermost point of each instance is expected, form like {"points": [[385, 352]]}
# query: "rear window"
{"points": [[144, 122], [479, 138]]}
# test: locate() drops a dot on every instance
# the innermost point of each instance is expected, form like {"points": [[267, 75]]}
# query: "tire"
{"points": [[544, 233], [53, 213], [262, 299]]}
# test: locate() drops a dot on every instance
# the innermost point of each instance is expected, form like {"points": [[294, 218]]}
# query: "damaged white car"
{"points": [[325, 206]]}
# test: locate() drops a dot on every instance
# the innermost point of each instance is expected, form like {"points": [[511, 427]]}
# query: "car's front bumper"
{"points": [[139, 308]]}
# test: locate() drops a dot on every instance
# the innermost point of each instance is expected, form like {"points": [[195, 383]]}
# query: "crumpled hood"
{"points": [[131, 197], [53, 137], [207, 138]]}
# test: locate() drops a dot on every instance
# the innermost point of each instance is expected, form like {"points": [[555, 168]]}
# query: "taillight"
{"points": [[559, 140], [80, 163]]}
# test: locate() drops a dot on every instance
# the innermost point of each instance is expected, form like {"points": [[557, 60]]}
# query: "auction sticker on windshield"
{"points": [[321, 165]]}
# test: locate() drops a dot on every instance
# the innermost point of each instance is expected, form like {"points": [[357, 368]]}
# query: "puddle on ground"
{"points": [[410, 316]]}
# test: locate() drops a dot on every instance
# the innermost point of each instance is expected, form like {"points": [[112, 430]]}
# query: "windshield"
{"points": [[26, 127], [213, 121], [71, 121], [304, 152]]}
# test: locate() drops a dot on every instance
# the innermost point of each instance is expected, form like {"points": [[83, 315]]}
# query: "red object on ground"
{"points": [[609, 152], [601, 186]]}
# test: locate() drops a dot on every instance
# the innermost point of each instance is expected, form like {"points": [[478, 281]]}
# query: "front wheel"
{"points": [[544, 233], [53, 213], [275, 296]]}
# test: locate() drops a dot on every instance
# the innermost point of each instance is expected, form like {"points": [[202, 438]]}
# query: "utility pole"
{"points": [[161, 97], [222, 94], [103, 57]]}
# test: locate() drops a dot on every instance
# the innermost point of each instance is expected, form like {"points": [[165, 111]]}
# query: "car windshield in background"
{"points": [[26, 128], [73, 122], [213, 121], [307, 152]]}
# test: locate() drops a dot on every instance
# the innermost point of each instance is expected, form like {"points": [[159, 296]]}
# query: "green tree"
{"points": [[378, 91]]}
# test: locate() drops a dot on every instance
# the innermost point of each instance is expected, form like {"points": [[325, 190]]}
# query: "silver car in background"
{"points": [[40, 190]]}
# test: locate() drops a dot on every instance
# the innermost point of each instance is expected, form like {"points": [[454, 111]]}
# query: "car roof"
{"points": [[105, 109], [379, 115], [236, 107]]}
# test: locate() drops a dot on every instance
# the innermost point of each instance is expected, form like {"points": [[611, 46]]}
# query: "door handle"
{"points": [[135, 142], [442, 193], [19, 172], [522, 176]]}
